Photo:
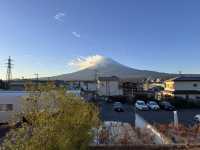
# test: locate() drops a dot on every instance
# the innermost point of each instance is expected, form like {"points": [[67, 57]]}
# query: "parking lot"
{"points": [[185, 116], [108, 114]]}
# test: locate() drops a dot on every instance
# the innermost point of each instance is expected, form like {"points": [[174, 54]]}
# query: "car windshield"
{"points": [[166, 103], [197, 116], [117, 103], [140, 103], [152, 103]]}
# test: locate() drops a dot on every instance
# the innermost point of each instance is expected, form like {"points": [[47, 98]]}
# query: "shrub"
{"points": [[56, 120], [180, 133]]}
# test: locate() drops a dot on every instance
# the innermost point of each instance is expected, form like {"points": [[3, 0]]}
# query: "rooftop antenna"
{"points": [[9, 66], [180, 73]]}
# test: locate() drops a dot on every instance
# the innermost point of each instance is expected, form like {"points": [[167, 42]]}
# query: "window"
{"points": [[6, 107], [195, 85]]}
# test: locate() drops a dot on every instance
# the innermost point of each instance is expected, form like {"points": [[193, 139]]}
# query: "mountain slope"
{"points": [[108, 67]]}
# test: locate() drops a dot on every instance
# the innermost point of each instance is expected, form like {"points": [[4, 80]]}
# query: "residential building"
{"points": [[184, 87], [131, 88], [153, 85], [108, 86], [88, 85]]}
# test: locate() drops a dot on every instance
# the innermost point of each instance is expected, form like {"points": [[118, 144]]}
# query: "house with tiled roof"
{"points": [[184, 87]]}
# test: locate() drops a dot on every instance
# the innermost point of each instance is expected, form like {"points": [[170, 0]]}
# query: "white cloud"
{"points": [[85, 62], [59, 16], [77, 35]]}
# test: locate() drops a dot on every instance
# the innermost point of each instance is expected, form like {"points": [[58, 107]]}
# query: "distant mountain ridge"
{"points": [[109, 67]]}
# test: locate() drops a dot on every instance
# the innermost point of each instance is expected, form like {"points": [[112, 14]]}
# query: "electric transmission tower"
{"points": [[9, 66]]}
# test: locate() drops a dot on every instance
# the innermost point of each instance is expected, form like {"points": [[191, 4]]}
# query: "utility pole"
{"points": [[96, 81], [37, 79], [37, 76], [9, 66]]}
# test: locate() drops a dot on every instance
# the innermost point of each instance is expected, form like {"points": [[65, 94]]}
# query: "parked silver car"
{"points": [[140, 105], [153, 105]]}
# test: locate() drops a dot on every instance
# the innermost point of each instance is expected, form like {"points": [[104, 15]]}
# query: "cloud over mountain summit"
{"points": [[86, 62]]}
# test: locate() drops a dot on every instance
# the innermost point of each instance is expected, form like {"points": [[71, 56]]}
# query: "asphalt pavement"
{"points": [[108, 114], [185, 116]]}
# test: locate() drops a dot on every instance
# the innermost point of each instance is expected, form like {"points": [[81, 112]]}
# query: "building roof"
{"points": [[110, 78], [182, 78]]}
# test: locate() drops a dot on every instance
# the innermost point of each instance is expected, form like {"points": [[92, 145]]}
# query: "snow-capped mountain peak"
{"points": [[88, 66], [92, 62]]}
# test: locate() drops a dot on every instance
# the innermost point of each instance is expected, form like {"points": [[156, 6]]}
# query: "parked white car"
{"points": [[140, 105], [153, 105], [197, 118]]}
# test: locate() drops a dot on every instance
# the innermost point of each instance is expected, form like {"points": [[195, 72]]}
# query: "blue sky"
{"points": [[44, 35]]}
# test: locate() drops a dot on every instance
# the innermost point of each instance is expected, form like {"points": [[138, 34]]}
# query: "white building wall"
{"points": [[187, 85], [109, 88], [14, 98], [102, 88], [114, 88], [92, 86]]}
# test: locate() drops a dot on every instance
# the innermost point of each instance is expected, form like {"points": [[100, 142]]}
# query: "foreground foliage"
{"points": [[181, 134], [54, 121], [111, 132]]}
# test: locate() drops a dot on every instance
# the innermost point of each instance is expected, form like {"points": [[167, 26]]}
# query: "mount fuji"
{"points": [[104, 66]]}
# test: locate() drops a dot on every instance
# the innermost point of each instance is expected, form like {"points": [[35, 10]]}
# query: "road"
{"points": [[185, 116]]}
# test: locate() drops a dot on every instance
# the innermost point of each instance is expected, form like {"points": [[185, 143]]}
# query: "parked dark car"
{"points": [[166, 105], [117, 106]]}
